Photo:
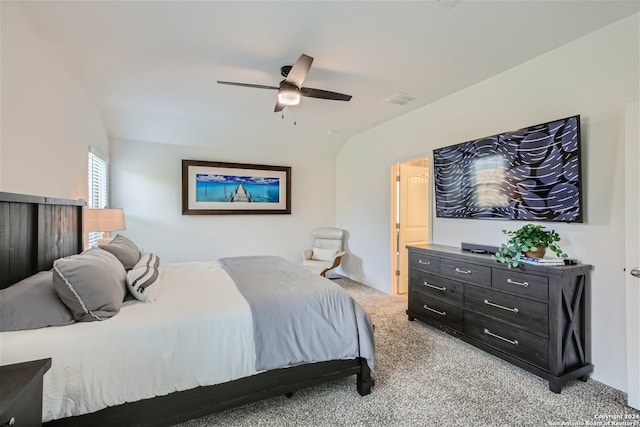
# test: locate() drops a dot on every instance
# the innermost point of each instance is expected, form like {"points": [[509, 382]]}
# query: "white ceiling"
{"points": [[152, 66]]}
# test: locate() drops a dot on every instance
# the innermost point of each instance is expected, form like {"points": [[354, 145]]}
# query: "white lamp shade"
{"points": [[105, 220]]}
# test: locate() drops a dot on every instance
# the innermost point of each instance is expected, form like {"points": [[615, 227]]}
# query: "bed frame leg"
{"points": [[364, 380]]}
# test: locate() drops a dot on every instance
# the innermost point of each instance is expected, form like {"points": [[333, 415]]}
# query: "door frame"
{"points": [[394, 217], [632, 251], [393, 228]]}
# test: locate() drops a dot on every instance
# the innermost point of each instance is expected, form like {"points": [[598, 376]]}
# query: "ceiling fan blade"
{"points": [[279, 107], [324, 94], [248, 85], [299, 71], [290, 89]]}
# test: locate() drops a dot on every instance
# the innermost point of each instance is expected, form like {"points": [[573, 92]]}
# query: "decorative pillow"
{"points": [[142, 279], [124, 249], [319, 254], [32, 303], [92, 284]]}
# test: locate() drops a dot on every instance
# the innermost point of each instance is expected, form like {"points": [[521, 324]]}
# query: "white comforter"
{"points": [[199, 332]]}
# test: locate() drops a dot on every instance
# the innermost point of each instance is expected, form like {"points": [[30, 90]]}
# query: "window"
{"points": [[98, 189]]}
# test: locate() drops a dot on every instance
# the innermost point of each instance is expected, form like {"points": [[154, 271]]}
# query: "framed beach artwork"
{"points": [[217, 188]]}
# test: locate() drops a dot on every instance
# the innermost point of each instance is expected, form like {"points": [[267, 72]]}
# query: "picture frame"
{"points": [[219, 188]]}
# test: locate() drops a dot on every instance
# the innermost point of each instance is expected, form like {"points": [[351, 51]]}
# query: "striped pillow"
{"points": [[142, 279]]}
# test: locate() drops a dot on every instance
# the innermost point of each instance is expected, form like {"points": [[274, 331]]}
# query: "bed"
{"points": [[167, 361]]}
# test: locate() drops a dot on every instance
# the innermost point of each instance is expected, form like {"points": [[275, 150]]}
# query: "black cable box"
{"points": [[478, 248]]}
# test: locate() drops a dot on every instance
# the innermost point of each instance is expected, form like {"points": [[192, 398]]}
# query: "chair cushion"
{"points": [[328, 233], [320, 254], [316, 267]]}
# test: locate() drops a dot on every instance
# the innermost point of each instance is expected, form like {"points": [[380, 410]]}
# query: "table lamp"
{"points": [[105, 220]]}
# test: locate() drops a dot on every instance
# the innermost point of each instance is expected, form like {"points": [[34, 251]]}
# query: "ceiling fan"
{"points": [[290, 89]]}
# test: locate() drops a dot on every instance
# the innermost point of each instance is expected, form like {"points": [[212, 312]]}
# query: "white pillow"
{"points": [[142, 279], [319, 254]]}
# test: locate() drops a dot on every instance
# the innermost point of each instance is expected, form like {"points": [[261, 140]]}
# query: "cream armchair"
{"points": [[327, 250]]}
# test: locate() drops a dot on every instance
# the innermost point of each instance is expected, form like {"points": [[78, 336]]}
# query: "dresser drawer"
{"points": [[528, 314], [446, 290], [422, 262], [516, 342], [524, 284], [467, 272], [436, 310]]}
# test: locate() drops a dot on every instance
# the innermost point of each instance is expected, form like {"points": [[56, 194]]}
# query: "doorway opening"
{"points": [[409, 216]]}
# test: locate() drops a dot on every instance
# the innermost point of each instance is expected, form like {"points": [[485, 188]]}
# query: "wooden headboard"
{"points": [[34, 232]]}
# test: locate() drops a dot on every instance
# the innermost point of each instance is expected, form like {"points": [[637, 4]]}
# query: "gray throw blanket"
{"points": [[299, 317]]}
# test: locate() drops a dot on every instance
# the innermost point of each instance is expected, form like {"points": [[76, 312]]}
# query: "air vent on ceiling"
{"points": [[399, 98], [449, 4]]}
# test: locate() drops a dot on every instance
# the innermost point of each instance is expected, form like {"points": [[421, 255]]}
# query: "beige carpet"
{"points": [[428, 378]]}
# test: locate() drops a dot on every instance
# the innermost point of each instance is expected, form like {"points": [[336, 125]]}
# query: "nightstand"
{"points": [[21, 393]]}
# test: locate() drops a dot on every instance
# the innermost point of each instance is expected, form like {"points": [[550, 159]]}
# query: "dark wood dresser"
{"points": [[21, 393], [536, 317]]}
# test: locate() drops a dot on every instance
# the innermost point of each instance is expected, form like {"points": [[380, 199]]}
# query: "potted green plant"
{"points": [[531, 240]]}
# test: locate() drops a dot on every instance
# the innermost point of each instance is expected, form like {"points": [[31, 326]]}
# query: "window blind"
{"points": [[98, 189]]}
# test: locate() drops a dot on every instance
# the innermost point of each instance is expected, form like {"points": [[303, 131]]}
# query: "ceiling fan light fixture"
{"points": [[288, 97]]}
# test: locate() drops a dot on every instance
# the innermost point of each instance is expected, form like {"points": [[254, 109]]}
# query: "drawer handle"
{"points": [[459, 270], [513, 282], [441, 313], [488, 332], [424, 262], [438, 288], [513, 310]]}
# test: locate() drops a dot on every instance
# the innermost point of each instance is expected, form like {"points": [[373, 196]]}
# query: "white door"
{"points": [[632, 251], [413, 215]]}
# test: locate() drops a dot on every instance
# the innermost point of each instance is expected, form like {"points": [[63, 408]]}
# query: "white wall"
{"points": [[48, 119], [146, 182], [48, 122], [594, 76]]}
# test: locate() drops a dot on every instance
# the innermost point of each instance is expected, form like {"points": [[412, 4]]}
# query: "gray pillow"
{"points": [[124, 249], [32, 303], [92, 284]]}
